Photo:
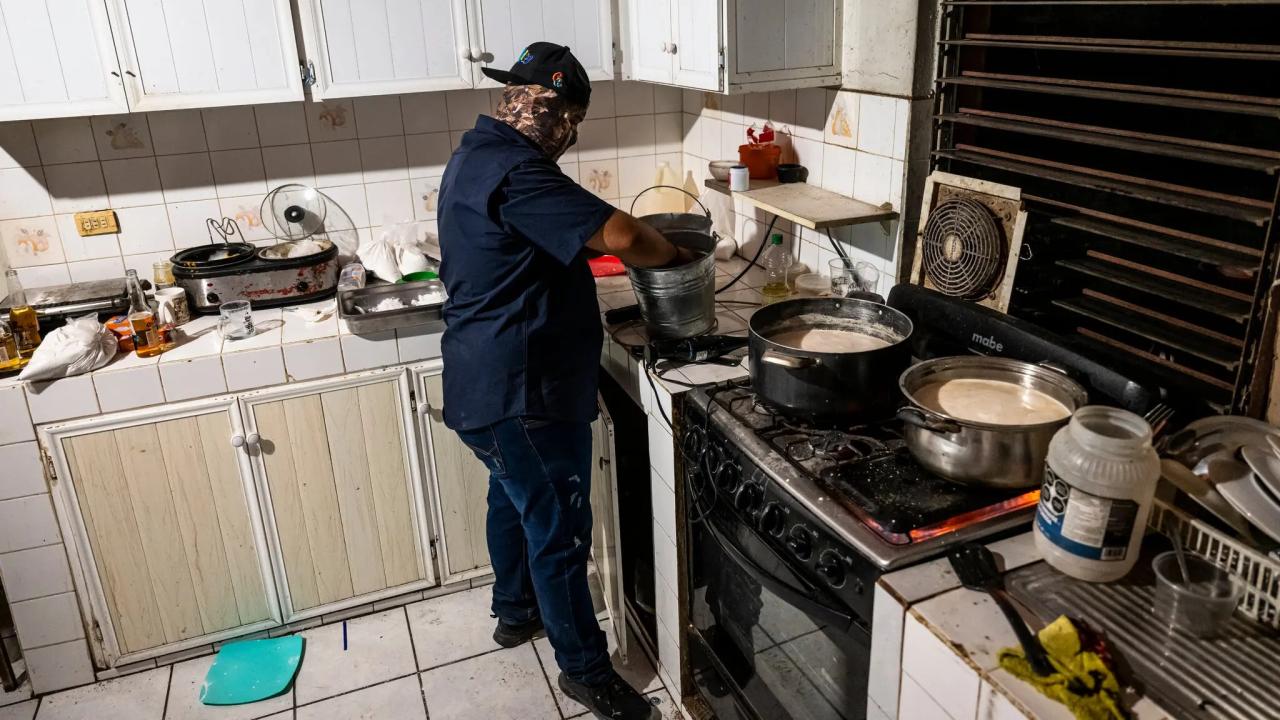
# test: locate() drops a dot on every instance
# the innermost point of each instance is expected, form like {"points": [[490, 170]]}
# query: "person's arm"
{"points": [[634, 242]]}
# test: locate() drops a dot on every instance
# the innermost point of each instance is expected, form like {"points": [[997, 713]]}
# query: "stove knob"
{"points": [[748, 499], [772, 519], [212, 298], [831, 567], [727, 476], [302, 286], [800, 542]]}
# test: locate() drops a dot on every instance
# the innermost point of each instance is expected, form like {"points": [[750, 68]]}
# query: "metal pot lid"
{"points": [[295, 249], [208, 256]]}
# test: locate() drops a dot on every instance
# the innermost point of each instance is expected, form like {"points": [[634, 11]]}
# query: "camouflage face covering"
{"points": [[541, 115]]}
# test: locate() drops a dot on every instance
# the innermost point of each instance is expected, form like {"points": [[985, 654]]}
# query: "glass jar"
{"points": [[1099, 478], [162, 274]]}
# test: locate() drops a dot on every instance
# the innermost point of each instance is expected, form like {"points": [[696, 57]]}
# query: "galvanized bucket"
{"points": [[679, 302]]}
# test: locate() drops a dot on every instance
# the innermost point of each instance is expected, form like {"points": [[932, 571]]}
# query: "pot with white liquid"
{"points": [[985, 421]]}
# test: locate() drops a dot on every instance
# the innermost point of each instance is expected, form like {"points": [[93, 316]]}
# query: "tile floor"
{"points": [[434, 658]]}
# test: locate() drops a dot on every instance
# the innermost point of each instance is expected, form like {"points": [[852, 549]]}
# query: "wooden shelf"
{"points": [[808, 205]]}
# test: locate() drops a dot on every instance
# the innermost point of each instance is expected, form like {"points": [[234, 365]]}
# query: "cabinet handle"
{"points": [[237, 441], [253, 439], [115, 73], [130, 73]]}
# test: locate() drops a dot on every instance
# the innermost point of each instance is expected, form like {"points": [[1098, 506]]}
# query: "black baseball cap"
{"points": [[551, 66]]}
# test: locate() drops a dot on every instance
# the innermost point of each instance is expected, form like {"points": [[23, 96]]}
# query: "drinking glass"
{"points": [[848, 276], [237, 320]]}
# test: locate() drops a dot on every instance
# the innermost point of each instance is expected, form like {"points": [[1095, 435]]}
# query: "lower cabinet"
{"points": [[340, 483], [163, 529]]}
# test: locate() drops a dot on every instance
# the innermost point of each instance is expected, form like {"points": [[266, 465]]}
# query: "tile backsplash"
{"points": [[380, 158]]}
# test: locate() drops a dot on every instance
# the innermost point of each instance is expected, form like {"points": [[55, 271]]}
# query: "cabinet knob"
{"points": [[423, 408], [673, 49], [252, 439], [237, 441], [666, 48], [466, 55]]}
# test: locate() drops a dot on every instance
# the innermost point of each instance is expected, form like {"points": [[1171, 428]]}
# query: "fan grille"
{"points": [[963, 248]]}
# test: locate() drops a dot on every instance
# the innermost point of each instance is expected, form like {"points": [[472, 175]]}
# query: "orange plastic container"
{"points": [[761, 159]]}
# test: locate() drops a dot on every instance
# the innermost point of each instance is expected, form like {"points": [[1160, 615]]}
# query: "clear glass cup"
{"points": [[236, 321], [849, 276], [1200, 604]]}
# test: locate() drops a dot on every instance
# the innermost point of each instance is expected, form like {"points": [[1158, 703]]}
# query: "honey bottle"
{"points": [[22, 318], [142, 321]]}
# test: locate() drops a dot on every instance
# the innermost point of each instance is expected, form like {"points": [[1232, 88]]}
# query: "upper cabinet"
{"points": [[503, 28], [57, 59], [733, 45], [194, 53], [382, 47]]}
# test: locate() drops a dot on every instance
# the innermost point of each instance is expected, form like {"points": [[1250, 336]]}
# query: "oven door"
{"points": [[765, 643]]}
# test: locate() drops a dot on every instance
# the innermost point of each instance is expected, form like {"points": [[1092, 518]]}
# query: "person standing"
{"points": [[522, 354]]}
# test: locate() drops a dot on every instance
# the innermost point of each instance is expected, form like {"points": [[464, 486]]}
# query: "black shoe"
{"points": [[613, 700], [509, 636]]}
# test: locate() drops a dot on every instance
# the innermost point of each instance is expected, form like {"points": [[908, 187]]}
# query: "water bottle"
{"points": [[776, 261]]}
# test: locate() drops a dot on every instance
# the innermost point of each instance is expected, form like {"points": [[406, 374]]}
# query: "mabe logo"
{"points": [[989, 343], [557, 79], [526, 57]]}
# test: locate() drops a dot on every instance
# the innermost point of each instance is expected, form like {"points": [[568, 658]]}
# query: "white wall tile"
{"points": [[337, 163], [383, 159], [238, 172], [281, 123], [47, 620], [600, 177], [782, 108], [18, 145], [465, 105], [633, 98], [31, 241], [811, 113], [186, 177], [44, 276], [635, 174], [330, 120], [711, 143], [661, 448], [23, 472], [424, 112], [92, 270], [363, 352], [603, 103], [417, 344], [58, 667], [877, 116], [198, 377], [993, 705], [428, 153], [61, 399], [838, 169], [230, 128], [23, 194], [76, 248], [351, 198], [426, 192], [597, 140], [28, 522], [177, 131], [667, 99], [842, 119], [389, 202], [916, 704], [378, 116], [76, 187], [669, 659], [144, 230], [65, 140], [122, 136], [873, 178], [314, 359], [636, 136], [35, 572], [132, 182], [254, 368], [142, 264], [950, 681], [668, 132], [888, 617], [187, 221], [125, 389], [286, 164], [664, 503]]}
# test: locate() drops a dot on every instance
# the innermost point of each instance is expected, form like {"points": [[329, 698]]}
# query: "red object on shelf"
{"points": [[761, 160], [606, 265]]}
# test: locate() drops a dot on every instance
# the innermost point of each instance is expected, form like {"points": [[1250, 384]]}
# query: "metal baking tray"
{"points": [[429, 318]]}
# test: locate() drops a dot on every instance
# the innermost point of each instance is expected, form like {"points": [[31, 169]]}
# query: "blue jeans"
{"points": [[539, 534]]}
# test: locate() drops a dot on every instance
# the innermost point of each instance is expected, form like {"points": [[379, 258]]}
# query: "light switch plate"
{"points": [[97, 222]]}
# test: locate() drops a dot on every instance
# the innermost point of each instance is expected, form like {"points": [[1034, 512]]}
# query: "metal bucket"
{"points": [[679, 302]]}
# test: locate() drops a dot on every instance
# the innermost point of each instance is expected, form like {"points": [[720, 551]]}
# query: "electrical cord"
{"points": [[838, 248], [752, 262]]}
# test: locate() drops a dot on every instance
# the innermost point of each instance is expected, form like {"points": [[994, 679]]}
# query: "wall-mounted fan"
{"points": [[969, 239]]}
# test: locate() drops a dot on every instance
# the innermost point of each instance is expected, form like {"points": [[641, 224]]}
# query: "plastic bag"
{"points": [[378, 256], [82, 345], [396, 252]]}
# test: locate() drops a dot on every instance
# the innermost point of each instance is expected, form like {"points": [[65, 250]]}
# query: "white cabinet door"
{"points": [[606, 530], [382, 47], [197, 53], [57, 60], [782, 41], [698, 38], [503, 28], [650, 38]]}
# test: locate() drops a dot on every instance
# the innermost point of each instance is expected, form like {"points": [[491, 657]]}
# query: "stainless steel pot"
{"points": [[981, 454], [827, 387]]}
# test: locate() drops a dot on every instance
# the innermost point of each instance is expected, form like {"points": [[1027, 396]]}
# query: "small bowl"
{"points": [[792, 173], [720, 169]]}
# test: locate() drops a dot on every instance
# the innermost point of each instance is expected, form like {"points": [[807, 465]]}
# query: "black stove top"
{"points": [[868, 470]]}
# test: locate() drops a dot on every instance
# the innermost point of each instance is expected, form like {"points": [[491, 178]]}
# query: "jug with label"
{"points": [[1099, 479]]}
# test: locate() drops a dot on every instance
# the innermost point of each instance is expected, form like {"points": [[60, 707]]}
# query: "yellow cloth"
{"points": [[1083, 681]]}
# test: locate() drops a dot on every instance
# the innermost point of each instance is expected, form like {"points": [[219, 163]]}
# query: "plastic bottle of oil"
{"points": [[22, 318], [146, 331], [776, 261]]}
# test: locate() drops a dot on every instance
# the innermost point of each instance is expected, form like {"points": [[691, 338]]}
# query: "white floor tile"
{"points": [[21, 711], [638, 671], [452, 627], [497, 685], [397, 700], [377, 650], [184, 697], [137, 697]]}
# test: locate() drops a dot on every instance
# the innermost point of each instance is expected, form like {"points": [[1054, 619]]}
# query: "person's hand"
{"points": [[683, 256]]}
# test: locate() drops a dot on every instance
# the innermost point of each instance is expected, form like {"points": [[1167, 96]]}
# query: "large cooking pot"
{"points": [[829, 387], [982, 454]]}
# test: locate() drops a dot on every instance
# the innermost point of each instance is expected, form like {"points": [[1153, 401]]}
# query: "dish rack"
{"points": [[1259, 574]]}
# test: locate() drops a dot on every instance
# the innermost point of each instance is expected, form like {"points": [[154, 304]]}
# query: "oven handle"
{"points": [[826, 614]]}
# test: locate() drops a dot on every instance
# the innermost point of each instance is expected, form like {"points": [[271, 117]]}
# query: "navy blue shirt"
{"points": [[523, 330]]}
